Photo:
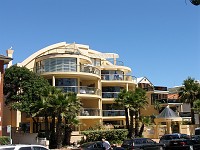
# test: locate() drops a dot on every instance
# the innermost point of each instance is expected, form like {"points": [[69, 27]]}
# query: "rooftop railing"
{"points": [[114, 62]]}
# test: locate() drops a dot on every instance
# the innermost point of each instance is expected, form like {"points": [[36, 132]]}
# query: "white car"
{"points": [[23, 147]]}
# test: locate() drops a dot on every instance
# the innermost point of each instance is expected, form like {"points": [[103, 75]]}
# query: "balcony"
{"points": [[185, 114], [160, 88], [117, 77], [164, 101], [110, 94], [113, 113], [90, 112], [81, 89], [67, 68]]}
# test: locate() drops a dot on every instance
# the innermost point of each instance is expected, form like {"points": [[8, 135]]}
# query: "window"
{"points": [[57, 65], [25, 148], [38, 148]]}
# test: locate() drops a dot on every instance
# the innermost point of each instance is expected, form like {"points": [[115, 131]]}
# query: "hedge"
{"points": [[115, 136], [4, 140]]}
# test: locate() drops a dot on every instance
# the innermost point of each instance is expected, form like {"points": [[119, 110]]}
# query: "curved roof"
{"points": [[68, 47]]}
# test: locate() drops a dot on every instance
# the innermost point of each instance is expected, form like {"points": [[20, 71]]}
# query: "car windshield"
{"points": [[176, 136], [87, 144], [170, 137]]}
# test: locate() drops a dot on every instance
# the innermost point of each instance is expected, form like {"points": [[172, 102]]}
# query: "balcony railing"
{"points": [[90, 112], [150, 88], [67, 68], [185, 114], [113, 113], [114, 62], [110, 94], [119, 77], [164, 101], [81, 89]]}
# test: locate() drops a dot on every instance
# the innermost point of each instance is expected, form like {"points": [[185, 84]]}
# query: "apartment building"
{"points": [[96, 77], [3, 60]]}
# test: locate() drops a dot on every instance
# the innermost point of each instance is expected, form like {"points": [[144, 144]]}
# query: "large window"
{"points": [[67, 84], [57, 65], [110, 92]]}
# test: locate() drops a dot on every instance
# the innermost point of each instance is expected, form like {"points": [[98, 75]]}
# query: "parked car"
{"points": [[97, 145], [179, 141], [23, 147], [141, 144]]}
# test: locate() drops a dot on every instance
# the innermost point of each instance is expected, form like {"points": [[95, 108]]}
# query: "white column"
{"points": [[10, 54], [127, 86], [53, 81], [18, 118]]}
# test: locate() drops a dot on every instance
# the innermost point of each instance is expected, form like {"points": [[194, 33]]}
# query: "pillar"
{"points": [[156, 129], [169, 128], [10, 54]]}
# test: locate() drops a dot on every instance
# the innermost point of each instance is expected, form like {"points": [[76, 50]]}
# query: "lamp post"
{"points": [[10, 132]]}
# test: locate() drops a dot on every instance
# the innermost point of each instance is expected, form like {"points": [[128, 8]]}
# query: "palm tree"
{"points": [[189, 93], [122, 100], [146, 121], [157, 105], [66, 106], [132, 101], [197, 107], [70, 116], [136, 102]]}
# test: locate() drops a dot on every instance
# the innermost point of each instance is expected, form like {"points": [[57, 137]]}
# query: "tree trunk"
{"points": [[130, 130], [52, 144], [192, 114], [59, 132], [67, 134], [36, 124], [136, 123], [127, 118], [46, 127], [141, 130]]}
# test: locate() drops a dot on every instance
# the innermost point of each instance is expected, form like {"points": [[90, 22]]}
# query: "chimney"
{"points": [[10, 54]]}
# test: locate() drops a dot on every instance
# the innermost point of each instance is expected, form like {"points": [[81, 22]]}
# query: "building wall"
{"points": [[1, 94]]}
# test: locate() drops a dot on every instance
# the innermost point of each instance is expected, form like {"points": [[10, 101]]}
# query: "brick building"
{"points": [[3, 60]]}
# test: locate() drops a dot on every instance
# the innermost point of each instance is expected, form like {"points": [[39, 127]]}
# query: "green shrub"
{"points": [[4, 140], [114, 136]]}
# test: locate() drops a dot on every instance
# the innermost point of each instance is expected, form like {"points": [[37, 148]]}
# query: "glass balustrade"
{"points": [[110, 94], [90, 112], [119, 77], [113, 112], [80, 89], [67, 68], [163, 101]]}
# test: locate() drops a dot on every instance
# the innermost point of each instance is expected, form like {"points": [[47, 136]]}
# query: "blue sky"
{"points": [[157, 39]]}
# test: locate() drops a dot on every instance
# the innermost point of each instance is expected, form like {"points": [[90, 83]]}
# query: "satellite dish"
{"points": [[195, 2]]}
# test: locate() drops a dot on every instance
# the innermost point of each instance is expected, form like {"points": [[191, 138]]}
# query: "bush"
{"points": [[115, 136], [4, 140]]}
